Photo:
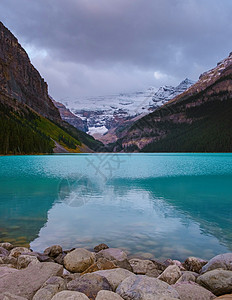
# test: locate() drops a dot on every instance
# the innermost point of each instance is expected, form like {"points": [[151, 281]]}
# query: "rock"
{"points": [[171, 274], [115, 276], [100, 247], [26, 282], [159, 265], [6, 271], [53, 251], [68, 295], [4, 252], [60, 258], [89, 284], [193, 291], [117, 256], [41, 256], [225, 297], [18, 251], [222, 261], [107, 295], [101, 264], [51, 287], [142, 287], [194, 264], [112, 254], [9, 296], [142, 266], [188, 276], [218, 281], [79, 260], [8, 260], [24, 260], [7, 246], [169, 262]]}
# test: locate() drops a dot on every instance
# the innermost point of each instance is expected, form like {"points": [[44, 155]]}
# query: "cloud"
{"points": [[88, 47]]}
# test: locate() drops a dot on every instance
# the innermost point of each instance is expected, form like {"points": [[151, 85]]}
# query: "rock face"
{"points": [[171, 274], [115, 277], [141, 287], [26, 282], [70, 118], [79, 260], [20, 80], [223, 261], [90, 285], [218, 281], [192, 291]]}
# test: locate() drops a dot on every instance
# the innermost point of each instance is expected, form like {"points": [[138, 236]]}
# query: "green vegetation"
{"points": [[210, 131], [25, 132]]}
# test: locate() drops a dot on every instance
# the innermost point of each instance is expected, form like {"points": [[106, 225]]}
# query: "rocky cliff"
{"points": [[20, 80], [29, 121], [198, 120]]}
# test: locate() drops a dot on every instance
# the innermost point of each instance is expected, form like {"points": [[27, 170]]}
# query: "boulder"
{"points": [[188, 276], [218, 281], [15, 252], [225, 297], [143, 266], [68, 295], [4, 252], [60, 258], [89, 284], [142, 287], [8, 260], [171, 274], [79, 260], [115, 276], [51, 287], [101, 264], [26, 282], [7, 246], [53, 251], [24, 260], [193, 291], [100, 247], [194, 264], [41, 256], [107, 295], [9, 296], [222, 261], [4, 271], [117, 256], [169, 262]]}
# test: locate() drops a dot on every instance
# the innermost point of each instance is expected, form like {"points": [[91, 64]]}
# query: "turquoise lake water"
{"points": [[151, 205]]}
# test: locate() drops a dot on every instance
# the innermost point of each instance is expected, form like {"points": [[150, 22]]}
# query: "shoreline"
{"points": [[108, 273]]}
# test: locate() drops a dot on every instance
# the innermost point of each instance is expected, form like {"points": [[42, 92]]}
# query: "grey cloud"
{"points": [[98, 41]]}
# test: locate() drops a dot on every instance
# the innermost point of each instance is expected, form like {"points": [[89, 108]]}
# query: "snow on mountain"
{"points": [[105, 112]]}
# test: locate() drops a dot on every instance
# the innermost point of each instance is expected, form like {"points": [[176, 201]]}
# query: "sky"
{"points": [[100, 47]]}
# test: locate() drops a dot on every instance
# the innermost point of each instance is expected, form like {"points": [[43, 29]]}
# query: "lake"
{"points": [[151, 205]]}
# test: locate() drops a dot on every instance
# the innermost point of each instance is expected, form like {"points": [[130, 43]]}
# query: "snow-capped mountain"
{"points": [[105, 112]]}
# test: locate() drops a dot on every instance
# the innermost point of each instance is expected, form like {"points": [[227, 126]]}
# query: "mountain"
{"points": [[105, 114], [69, 117], [198, 120], [29, 121]]}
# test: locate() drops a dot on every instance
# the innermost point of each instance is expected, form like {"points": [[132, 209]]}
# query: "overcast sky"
{"points": [[98, 47]]}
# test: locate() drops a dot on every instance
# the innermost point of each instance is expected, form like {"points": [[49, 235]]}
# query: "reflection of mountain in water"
{"points": [[190, 195], [24, 206]]}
